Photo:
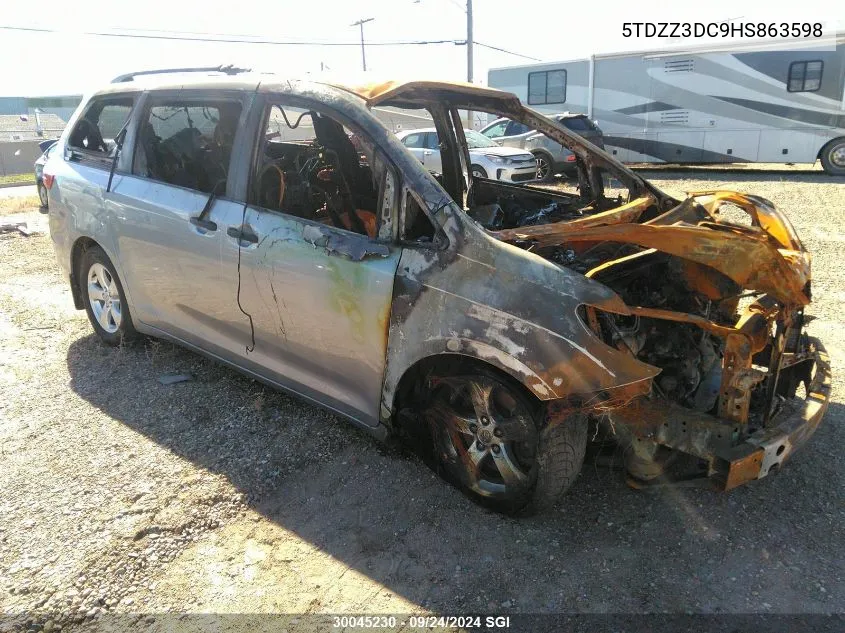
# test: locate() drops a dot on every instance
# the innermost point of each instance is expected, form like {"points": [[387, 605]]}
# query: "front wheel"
{"points": [[478, 172], [833, 157], [490, 441], [104, 298]]}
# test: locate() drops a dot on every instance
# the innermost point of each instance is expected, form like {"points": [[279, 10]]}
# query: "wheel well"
{"points": [[79, 247], [543, 152], [828, 144], [415, 375]]}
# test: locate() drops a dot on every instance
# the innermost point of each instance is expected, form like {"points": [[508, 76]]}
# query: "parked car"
{"points": [[46, 148], [552, 158], [488, 160], [492, 326]]}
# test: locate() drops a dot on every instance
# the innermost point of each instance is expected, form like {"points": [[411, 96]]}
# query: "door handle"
{"points": [[204, 223], [242, 234], [427, 153]]}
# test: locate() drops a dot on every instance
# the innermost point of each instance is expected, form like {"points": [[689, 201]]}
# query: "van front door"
{"points": [[312, 299]]}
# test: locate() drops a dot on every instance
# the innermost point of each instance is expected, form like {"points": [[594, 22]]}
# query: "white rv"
{"points": [[773, 102]]}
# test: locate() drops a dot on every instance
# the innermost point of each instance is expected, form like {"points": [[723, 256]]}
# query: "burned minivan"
{"points": [[278, 227]]}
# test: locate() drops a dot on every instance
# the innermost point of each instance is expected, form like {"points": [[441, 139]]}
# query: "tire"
{"points": [[545, 166], [646, 460], [104, 299], [478, 171], [833, 157], [42, 195], [491, 441]]}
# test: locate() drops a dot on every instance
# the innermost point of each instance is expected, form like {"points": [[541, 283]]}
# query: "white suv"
{"points": [[488, 159]]}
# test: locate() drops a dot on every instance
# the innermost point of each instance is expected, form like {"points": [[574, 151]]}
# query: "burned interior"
{"points": [[312, 167]]}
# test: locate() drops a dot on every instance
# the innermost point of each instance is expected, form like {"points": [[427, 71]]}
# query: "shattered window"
{"points": [[313, 167], [188, 144], [96, 130], [805, 76]]}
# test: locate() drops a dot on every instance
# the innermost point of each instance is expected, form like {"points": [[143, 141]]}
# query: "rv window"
{"points": [[547, 87], [805, 76]]}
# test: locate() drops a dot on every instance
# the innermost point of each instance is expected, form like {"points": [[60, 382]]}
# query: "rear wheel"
{"points": [[104, 299], [490, 441], [833, 157], [42, 195], [545, 166]]}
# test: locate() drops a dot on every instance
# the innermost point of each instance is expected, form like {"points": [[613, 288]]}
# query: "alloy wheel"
{"points": [[485, 435], [544, 168], [837, 155], [104, 298]]}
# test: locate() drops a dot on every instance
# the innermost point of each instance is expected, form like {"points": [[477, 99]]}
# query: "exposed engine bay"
{"points": [[728, 343]]}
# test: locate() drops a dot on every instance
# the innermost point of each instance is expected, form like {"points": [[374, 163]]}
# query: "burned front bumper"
{"points": [[733, 457], [767, 449]]}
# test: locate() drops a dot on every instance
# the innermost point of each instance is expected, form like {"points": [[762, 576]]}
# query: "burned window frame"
{"points": [[545, 73], [803, 76]]}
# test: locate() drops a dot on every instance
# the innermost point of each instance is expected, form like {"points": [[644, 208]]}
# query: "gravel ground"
{"points": [[123, 495]]}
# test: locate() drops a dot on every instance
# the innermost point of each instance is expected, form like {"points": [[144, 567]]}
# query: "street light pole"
{"points": [[360, 24]]}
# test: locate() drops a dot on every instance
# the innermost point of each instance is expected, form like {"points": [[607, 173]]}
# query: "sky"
{"points": [[69, 62]]}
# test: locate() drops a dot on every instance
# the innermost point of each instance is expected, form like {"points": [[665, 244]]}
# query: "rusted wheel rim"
{"points": [[485, 435]]}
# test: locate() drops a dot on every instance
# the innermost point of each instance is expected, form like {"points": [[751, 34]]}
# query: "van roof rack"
{"points": [[228, 70]]}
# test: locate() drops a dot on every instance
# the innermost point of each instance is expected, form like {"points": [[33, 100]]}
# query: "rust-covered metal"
{"points": [[750, 258]]}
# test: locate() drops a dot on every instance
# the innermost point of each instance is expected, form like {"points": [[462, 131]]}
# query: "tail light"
{"points": [[570, 158], [48, 180]]}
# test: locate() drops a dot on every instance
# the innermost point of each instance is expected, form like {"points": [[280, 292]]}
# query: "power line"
{"points": [[232, 40], [504, 50], [228, 39]]}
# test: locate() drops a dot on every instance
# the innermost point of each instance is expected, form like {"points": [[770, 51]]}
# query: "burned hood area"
{"points": [[714, 287]]}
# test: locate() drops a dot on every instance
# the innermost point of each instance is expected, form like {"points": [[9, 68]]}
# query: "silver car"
{"points": [[488, 159], [486, 324], [552, 158]]}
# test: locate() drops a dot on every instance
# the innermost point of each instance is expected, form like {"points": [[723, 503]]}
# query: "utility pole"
{"points": [[360, 24], [469, 56], [469, 41]]}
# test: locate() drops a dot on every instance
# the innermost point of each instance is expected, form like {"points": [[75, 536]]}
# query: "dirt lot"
{"points": [[122, 495]]}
